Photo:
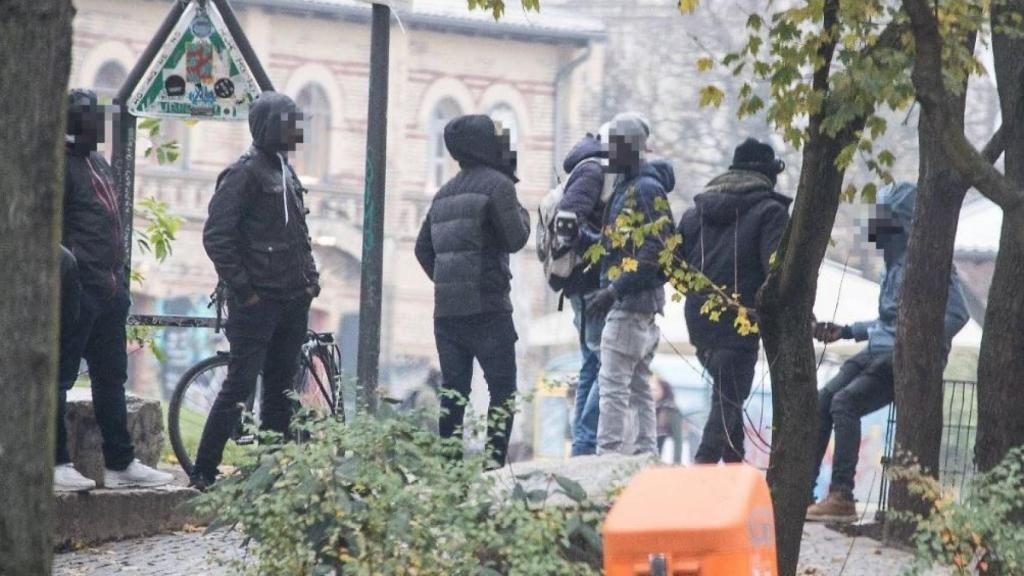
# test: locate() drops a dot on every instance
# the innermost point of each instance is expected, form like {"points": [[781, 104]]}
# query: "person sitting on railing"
{"points": [[865, 381], [257, 238], [92, 233]]}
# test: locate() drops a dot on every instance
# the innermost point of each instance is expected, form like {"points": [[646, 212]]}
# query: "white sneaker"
{"points": [[67, 479], [136, 475]]}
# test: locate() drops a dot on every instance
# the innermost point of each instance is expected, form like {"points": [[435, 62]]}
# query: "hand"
{"points": [[828, 332], [252, 301], [599, 303], [313, 291]]}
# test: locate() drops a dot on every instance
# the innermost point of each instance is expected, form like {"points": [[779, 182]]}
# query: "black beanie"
{"points": [[758, 157]]}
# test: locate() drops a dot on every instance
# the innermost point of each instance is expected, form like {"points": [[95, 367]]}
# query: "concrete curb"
{"points": [[104, 515]]}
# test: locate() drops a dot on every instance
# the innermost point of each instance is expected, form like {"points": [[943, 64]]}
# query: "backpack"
{"points": [[559, 261]]}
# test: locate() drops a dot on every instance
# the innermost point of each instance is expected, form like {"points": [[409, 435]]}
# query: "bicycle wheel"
{"points": [[317, 384], [190, 407]]}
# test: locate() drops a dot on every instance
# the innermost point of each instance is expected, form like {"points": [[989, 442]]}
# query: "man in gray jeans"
{"points": [[629, 302]]}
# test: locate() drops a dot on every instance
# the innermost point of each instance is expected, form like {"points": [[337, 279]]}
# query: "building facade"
{"points": [[539, 75]]}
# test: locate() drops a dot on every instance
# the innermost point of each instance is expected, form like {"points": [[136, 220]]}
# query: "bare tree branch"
{"points": [[934, 96]]}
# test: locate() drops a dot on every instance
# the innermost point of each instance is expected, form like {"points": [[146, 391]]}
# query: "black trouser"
{"points": [[266, 338], [864, 384], [732, 374], [490, 339], [98, 337]]}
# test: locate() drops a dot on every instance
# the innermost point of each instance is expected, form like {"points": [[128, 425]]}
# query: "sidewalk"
{"points": [[191, 553]]}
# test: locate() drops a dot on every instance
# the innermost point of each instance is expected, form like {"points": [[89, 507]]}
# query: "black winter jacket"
{"points": [[474, 223], [582, 196], [256, 233], [92, 222], [642, 290], [730, 234]]}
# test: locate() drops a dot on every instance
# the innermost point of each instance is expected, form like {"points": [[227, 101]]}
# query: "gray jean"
{"points": [[628, 343]]}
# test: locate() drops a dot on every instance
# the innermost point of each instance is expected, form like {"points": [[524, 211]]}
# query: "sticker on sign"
{"points": [[199, 72]]}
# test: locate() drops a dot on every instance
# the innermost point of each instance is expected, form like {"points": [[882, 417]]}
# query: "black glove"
{"points": [[599, 303]]}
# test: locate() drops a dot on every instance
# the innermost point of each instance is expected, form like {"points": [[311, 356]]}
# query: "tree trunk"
{"points": [[785, 309], [1001, 362], [920, 355], [35, 58]]}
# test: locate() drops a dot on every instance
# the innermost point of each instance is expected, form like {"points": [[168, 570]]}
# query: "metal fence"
{"points": [[959, 431]]}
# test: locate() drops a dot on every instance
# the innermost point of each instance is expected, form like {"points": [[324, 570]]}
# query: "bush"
{"points": [[983, 534], [385, 497]]}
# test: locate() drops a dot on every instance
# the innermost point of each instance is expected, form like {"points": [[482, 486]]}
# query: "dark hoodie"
{"points": [[582, 197], [730, 235], [474, 223], [92, 216], [642, 290], [256, 233]]}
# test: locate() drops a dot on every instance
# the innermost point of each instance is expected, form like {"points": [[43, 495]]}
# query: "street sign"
{"points": [[198, 73]]}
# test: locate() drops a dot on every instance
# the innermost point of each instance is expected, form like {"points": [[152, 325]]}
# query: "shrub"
{"points": [[385, 497], [983, 534]]}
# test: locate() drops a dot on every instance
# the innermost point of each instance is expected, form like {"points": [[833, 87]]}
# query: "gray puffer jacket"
{"points": [[474, 223]]}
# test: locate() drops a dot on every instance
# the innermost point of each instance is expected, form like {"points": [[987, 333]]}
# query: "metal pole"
{"points": [[248, 54], [123, 158], [370, 289]]}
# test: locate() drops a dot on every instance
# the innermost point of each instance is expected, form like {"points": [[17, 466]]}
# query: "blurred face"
{"points": [[292, 133], [622, 153], [508, 154], [86, 125], [884, 227]]}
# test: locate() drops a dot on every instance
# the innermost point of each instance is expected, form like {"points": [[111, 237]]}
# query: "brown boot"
{"points": [[837, 507]]}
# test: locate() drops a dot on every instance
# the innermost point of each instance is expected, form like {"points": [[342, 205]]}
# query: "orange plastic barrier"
{"points": [[697, 521]]}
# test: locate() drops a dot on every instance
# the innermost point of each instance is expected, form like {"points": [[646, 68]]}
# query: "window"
{"points": [[108, 81], [313, 155], [504, 116], [440, 165]]}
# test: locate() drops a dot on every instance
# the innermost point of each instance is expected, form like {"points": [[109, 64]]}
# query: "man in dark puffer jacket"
{"points": [[257, 238], [730, 235], [582, 197], [474, 223]]}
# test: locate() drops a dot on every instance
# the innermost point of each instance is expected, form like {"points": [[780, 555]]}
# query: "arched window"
{"points": [[505, 117], [108, 81], [313, 155], [106, 84], [440, 166]]}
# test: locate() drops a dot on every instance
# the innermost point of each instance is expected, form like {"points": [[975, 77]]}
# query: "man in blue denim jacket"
{"points": [[865, 381]]}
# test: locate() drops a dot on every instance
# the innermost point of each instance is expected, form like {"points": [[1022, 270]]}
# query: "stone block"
{"points": [[85, 443], [597, 475], [104, 515]]}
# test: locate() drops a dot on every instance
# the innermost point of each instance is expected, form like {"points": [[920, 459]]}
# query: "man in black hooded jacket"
{"points": [[730, 235], [257, 238], [93, 234], [474, 223]]}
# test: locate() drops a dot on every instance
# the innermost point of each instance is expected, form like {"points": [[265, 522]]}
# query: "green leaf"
{"points": [[571, 488], [705, 64], [711, 96]]}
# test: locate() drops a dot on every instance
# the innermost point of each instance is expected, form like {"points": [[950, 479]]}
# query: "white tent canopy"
{"points": [[844, 296]]}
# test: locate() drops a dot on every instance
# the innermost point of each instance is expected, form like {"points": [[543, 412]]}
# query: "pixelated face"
{"points": [[86, 123], [882, 225], [292, 132], [623, 151], [509, 156]]}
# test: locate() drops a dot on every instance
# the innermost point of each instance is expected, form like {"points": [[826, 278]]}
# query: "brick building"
{"points": [[539, 74]]}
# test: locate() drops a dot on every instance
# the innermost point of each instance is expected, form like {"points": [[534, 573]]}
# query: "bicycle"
{"points": [[317, 387]]}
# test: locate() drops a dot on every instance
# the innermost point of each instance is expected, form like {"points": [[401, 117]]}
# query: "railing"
{"points": [[959, 431]]}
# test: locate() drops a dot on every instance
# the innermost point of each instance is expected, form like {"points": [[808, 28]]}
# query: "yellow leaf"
{"points": [[705, 64], [630, 265], [688, 6]]}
